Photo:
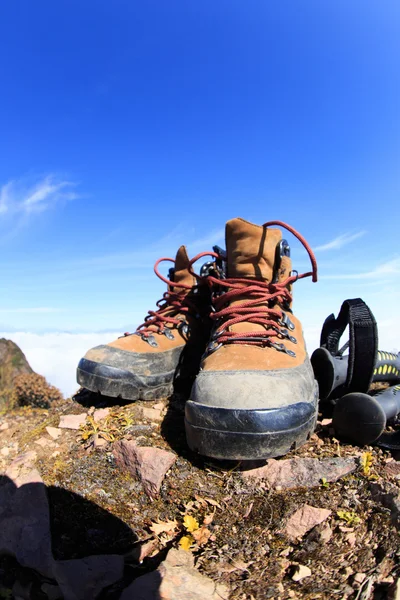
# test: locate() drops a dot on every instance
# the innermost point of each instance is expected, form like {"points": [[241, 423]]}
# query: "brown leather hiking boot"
{"points": [[255, 395], [165, 351]]}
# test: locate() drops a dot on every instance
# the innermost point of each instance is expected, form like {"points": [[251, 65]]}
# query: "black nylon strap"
{"points": [[363, 342]]}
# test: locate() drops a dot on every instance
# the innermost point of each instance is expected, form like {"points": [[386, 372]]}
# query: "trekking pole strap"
{"points": [[363, 342]]}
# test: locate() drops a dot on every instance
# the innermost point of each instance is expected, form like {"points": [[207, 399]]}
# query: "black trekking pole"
{"points": [[331, 372]]}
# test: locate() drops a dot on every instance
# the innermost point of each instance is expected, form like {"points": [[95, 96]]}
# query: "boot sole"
{"points": [[118, 383], [229, 434]]}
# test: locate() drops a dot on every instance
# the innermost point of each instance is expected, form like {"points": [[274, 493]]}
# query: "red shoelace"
{"points": [[172, 303], [258, 295]]}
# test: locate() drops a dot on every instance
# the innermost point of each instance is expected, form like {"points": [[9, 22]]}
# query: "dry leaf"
{"points": [[202, 535], [225, 568], [208, 519], [190, 523], [163, 527], [185, 542], [240, 565], [212, 502], [235, 565], [201, 500], [147, 549]]}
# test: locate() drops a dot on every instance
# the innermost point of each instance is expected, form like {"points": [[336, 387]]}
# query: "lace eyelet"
{"points": [[184, 328], [212, 347], [284, 333], [151, 340], [168, 333], [282, 348], [286, 322]]}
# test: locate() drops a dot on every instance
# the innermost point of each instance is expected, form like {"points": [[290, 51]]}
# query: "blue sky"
{"points": [[129, 128]]}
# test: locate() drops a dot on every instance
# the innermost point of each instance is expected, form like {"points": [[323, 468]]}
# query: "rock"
{"points": [[300, 572], [393, 469], [72, 421], [83, 578], [22, 590], [347, 571], [22, 463], [351, 538], [147, 464], [347, 592], [320, 534], [45, 443], [139, 429], [324, 532], [5, 451], [53, 432], [388, 495], [159, 405], [302, 472], [52, 592], [359, 578], [152, 414], [100, 413], [99, 442], [24, 517], [3, 426], [304, 519], [175, 579]]}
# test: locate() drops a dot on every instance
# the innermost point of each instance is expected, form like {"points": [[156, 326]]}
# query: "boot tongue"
{"points": [[182, 274], [251, 250]]}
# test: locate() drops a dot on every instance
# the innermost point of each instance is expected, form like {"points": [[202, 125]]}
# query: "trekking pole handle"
{"points": [[361, 418]]}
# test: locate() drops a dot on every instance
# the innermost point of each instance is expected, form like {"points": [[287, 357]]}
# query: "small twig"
{"points": [[367, 584]]}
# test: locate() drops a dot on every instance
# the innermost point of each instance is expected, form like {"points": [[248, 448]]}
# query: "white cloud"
{"points": [[204, 244], [340, 241], [33, 310], [22, 197], [5, 200], [388, 268]]}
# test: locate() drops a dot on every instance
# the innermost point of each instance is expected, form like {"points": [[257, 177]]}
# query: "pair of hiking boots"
{"points": [[228, 338]]}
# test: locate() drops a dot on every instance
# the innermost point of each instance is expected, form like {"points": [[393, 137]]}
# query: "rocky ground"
{"points": [[106, 501]]}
